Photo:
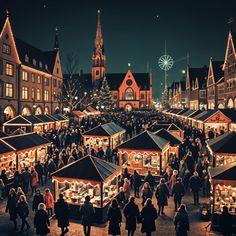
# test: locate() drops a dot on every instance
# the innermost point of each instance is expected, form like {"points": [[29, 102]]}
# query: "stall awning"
{"points": [[45, 118], [225, 172], [224, 143], [195, 113], [182, 112], [5, 149], [26, 141], [187, 113], [34, 120], [88, 168], [173, 139], [105, 130], [145, 141]]}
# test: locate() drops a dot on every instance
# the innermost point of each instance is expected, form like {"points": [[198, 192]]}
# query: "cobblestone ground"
{"points": [[164, 224]]}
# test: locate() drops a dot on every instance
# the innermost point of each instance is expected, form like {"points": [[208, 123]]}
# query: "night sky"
{"points": [[133, 31]]}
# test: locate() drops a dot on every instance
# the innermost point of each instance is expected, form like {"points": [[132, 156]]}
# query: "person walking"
{"points": [[12, 206], [150, 179], [178, 192], [226, 222], [87, 214], [136, 183], [49, 201], [146, 192], [181, 221], [38, 198], [162, 195], [39, 168], [34, 180], [23, 211], [147, 218], [26, 178], [195, 186], [131, 213], [62, 214], [41, 221], [114, 218], [126, 189]]}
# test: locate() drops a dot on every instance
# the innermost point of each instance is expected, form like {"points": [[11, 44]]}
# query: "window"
{"points": [[24, 75], [1, 66], [97, 72], [46, 81], [25, 92], [46, 95], [33, 78], [39, 79], [26, 58], [129, 82], [54, 83], [142, 96], [57, 71], [38, 94], [6, 49], [9, 90], [59, 84], [9, 69], [129, 94], [33, 93]]}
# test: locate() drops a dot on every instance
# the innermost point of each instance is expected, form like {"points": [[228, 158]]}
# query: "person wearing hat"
{"points": [[178, 192]]}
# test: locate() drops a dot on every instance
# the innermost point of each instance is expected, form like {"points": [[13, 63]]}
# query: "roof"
{"points": [[187, 113], [145, 141], [60, 117], [217, 70], [18, 120], [25, 141], [173, 127], [33, 119], [173, 139], [87, 168], [200, 73], [106, 130], [4, 148], [205, 115], [155, 127], [183, 111], [230, 113], [197, 112], [45, 118], [225, 172], [224, 143], [79, 113], [47, 58]]}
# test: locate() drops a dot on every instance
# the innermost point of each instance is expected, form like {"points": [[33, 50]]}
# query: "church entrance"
{"points": [[128, 107]]}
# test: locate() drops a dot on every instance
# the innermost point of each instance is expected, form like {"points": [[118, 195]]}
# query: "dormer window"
{"points": [[40, 64], [26, 58], [34, 62]]}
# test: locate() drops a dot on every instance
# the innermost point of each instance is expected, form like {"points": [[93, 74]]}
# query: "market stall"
{"points": [[91, 111], [223, 193], [28, 149], [78, 115], [222, 149], [144, 152], [62, 121], [87, 176], [191, 117], [174, 140], [109, 134], [48, 121]]}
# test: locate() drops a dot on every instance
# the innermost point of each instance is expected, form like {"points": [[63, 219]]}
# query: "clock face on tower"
{"points": [[129, 82]]}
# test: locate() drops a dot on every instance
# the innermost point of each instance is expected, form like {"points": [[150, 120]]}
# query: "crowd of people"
{"points": [[187, 172]]}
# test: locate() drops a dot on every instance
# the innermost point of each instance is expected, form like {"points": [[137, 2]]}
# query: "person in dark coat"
{"points": [[146, 193], [136, 183], [26, 178], [181, 221], [38, 198], [39, 168], [12, 206], [87, 214], [226, 222], [162, 195], [41, 221], [114, 218], [23, 211], [131, 213], [150, 179], [62, 214], [178, 193], [195, 186], [147, 218]]}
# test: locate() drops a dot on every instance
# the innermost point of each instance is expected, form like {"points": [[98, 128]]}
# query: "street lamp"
{"points": [[85, 93], [76, 98]]}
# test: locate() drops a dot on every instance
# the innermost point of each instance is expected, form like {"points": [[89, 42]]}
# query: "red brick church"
{"points": [[129, 90]]}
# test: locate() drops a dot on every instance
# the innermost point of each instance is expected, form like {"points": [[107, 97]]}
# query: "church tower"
{"points": [[98, 58]]}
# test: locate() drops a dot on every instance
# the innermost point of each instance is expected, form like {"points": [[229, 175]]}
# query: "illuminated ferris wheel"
{"points": [[165, 62]]}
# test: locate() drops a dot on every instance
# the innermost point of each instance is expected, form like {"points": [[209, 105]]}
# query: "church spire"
{"points": [[56, 41], [99, 39]]}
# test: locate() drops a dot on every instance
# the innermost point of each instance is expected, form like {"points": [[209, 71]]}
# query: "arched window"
{"points": [[230, 103], [129, 94]]}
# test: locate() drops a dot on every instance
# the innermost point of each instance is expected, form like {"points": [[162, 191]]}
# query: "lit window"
{"points": [[33, 93], [38, 79], [129, 94], [9, 69], [46, 81], [9, 90], [38, 94], [46, 95], [26, 58], [33, 78], [25, 92], [24, 75], [6, 49]]}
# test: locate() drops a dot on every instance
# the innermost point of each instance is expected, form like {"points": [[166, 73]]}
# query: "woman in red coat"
{"points": [[49, 201], [34, 180]]}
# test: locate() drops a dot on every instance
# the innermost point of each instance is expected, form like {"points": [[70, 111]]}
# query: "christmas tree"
{"points": [[105, 98]]}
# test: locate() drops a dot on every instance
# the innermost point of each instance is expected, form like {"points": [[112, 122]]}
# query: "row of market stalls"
{"points": [[35, 123], [19, 151]]}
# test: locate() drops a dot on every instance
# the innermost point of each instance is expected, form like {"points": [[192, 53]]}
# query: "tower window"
{"points": [[129, 94], [97, 72]]}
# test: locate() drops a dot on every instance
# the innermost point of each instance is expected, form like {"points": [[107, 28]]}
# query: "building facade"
{"points": [[30, 79]]}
